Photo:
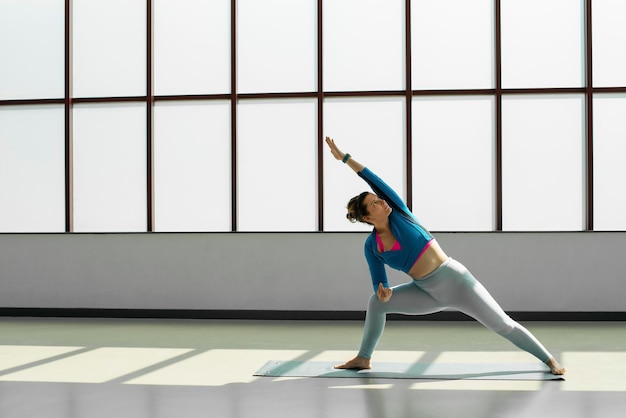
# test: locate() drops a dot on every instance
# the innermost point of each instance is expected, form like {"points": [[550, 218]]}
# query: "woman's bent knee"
{"points": [[374, 303]]}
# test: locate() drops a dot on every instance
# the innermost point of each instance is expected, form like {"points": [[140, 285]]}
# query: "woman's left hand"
{"points": [[383, 293]]}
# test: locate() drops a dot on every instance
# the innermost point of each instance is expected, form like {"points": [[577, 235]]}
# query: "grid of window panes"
{"points": [[191, 115]]}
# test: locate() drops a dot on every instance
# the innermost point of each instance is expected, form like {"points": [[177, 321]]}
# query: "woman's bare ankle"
{"points": [[357, 363], [555, 366]]}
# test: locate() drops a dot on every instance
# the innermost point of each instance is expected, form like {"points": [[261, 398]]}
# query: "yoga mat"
{"points": [[444, 371]]}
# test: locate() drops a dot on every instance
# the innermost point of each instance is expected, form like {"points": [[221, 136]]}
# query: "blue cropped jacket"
{"points": [[413, 238]]}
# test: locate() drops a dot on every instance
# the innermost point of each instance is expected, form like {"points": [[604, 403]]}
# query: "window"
{"points": [[187, 115]]}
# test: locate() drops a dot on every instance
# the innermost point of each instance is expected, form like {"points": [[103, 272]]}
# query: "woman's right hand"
{"points": [[334, 150], [383, 293], [354, 165]]}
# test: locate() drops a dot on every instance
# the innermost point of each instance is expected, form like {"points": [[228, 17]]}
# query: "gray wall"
{"points": [[572, 271]]}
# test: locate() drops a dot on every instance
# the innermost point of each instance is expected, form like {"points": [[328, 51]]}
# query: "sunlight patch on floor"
{"points": [[595, 371], [99, 365], [215, 368], [12, 356], [586, 371]]}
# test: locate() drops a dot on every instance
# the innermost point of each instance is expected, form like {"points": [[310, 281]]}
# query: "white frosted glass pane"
{"points": [[191, 47], [276, 165], [373, 131], [110, 183], [109, 48], [32, 169], [542, 43], [609, 170], [32, 49], [609, 43], [453, 142], [451, 59], [542, 163], [364, 43], [192, 166], [276, 45]]}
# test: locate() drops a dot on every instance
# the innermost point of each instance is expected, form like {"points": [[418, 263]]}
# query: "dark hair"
{"points": [[357, 209]]}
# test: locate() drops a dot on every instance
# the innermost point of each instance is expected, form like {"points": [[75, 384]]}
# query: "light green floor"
{"points": [[167, 368]]}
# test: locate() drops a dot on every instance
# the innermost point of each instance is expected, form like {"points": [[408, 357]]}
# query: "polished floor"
{"points": [[114, 368]]}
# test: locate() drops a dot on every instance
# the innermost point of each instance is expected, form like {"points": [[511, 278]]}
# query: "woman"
{"points": [[439, 282]]}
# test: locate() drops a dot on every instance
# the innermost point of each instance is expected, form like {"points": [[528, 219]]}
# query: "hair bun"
{"points": [[356, 209]]}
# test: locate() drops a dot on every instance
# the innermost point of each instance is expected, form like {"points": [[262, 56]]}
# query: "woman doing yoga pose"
{"points": [[438, 282]]}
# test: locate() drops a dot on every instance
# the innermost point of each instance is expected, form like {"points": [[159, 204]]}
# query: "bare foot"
{"points": [[555, 366], [357, 363]]}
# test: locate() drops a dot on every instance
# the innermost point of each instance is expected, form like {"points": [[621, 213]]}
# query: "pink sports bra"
{"points": [[396, 245]]}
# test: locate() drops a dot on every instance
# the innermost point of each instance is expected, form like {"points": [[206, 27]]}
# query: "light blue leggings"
{"points": [[451, 285]]}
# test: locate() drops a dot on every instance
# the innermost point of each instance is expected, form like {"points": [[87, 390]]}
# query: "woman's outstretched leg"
{"points": [[463, 292]]}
